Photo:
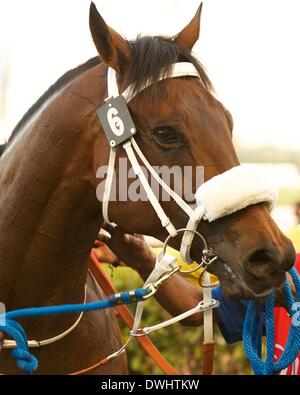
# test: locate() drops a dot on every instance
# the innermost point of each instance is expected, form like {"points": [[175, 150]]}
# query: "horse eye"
{"points": [[167, 135]]}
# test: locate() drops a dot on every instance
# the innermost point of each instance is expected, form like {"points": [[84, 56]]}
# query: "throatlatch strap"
{"points": [[108, 186]]}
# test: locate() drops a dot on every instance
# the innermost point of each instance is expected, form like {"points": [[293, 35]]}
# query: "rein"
{"points": [[28, 363], [251, 331], [9, 344]]}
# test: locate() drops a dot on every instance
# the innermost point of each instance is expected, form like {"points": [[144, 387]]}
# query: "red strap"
{"points": [[208, 357]]}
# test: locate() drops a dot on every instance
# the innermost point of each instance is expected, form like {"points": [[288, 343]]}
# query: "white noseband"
{"points": [[227, 193], [234, 190]]}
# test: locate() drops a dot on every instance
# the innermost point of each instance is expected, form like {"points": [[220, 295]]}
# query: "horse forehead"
{"points": [[189, 93], [195, 102], [177, 101]]}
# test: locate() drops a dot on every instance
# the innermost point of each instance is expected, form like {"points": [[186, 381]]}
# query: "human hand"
{"points": [[130, 249], [104, 254]]}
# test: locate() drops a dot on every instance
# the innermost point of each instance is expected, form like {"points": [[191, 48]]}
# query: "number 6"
{"points": [[116, 124]]}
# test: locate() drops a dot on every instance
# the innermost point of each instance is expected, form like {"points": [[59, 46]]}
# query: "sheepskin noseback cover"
{"points": [[234, 190]]}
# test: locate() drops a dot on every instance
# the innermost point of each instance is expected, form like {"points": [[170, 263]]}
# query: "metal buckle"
{"points": [[206, 252], [138, 333], [206, 263], [153, 287], [214, 304], [152, 290]]}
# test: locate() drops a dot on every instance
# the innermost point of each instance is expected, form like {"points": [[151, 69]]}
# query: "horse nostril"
{"points": [[260, 257], [262, 262]]}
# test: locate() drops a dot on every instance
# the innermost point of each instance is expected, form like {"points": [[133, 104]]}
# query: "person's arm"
{"points": [[176, 295]]}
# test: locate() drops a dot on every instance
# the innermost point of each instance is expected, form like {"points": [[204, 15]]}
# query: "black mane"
{"points": [[151, 57]]}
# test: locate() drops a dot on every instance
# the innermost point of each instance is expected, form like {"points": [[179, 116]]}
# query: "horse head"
{"points": [[180, 122]]}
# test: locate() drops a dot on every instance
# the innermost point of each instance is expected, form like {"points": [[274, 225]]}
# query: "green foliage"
{"points": [[180, 345], [268, 154], [289, 196]]}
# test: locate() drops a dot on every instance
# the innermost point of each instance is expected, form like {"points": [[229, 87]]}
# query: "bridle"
{"points": [[120, 130]]}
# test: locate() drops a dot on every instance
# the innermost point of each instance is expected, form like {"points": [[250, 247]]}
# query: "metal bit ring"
{"points": [[205, 250]]}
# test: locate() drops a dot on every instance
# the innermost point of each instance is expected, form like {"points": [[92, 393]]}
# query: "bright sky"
{"points": [[249, 47]]}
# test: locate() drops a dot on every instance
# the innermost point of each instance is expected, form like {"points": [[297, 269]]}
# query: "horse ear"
{"points": [[188, 37], [113, 49]]}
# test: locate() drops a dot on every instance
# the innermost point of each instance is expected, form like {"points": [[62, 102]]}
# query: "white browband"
{"points": [[183, 69]]}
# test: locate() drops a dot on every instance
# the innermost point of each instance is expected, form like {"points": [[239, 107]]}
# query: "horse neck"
{"points": [[49, 212]]}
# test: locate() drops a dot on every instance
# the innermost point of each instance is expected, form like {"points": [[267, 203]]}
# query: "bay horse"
{"points": [[50, 215]]}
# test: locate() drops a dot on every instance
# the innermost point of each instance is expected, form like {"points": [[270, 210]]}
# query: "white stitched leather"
{"points": [[182, 69], [108, 186], [165, 221]]}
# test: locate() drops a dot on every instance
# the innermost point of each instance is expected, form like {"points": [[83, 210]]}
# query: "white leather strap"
{"points": [[188, 237], [181, 69], [208, 314], [112, 83], [164, 264], [200, 306], [181, 203], [108, 186], [165, 220]]}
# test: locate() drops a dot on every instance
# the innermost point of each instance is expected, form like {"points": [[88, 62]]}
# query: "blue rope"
{"points": [[252, 332], [25, 360]]}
